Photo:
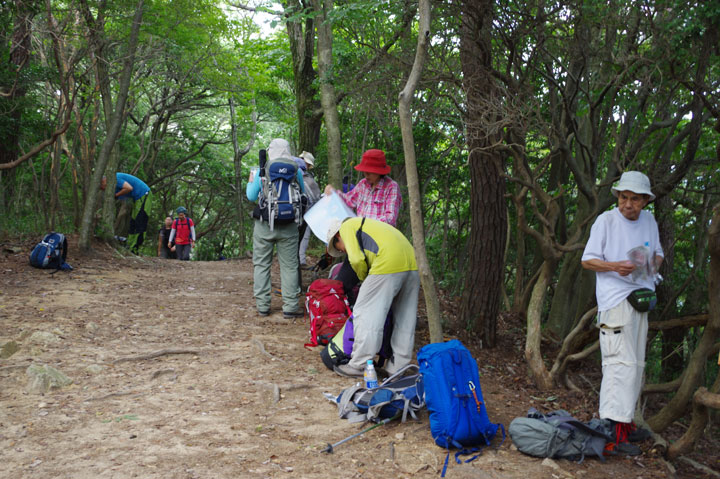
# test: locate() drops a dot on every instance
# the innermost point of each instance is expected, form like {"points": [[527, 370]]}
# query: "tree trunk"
{"points": [[672, 358], [416, 217], [19, 57], [327, 91], [574, 291], [695, 369], [483, 292], [302, 46], [533, 347], [115, 122], [238, 155]]}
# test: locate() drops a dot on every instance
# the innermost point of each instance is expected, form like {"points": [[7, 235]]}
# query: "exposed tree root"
{"points": [[156, 354], [261, 348], [111, 395], [699, 466]]}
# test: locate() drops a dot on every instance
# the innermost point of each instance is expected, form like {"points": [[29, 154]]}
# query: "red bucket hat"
{"points": [[373, 161]]}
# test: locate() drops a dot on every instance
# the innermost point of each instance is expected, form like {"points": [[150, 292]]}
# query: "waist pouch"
{"points": [[643, 300]]}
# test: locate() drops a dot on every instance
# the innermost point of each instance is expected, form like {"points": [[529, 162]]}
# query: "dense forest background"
{"points": [[524, 115]]}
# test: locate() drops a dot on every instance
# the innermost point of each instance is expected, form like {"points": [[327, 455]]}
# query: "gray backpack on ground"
{"points": [[558, 435]]}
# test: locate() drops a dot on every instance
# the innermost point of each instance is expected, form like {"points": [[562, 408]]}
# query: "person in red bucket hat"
{"points": [[376, 196]]}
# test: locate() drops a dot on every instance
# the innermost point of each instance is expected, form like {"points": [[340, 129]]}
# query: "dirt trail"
{"points": [[240, 399]]}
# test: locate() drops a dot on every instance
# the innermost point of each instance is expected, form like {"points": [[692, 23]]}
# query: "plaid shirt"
{"points": [[380, 203]]}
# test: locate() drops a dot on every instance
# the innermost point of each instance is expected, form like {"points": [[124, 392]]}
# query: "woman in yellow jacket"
{"points": [[384, 260]]}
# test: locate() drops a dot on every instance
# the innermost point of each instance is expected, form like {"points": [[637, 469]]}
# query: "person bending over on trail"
{"points": [[128, 187], [183, 233], [376, 196], [165, 248], [623, 329], [384, 260]]}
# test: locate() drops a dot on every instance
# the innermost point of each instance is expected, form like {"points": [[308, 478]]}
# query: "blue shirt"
{"points": [[139, 188]]}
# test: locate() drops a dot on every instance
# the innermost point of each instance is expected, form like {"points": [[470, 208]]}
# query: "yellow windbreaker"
{"points": [[386, 249]]}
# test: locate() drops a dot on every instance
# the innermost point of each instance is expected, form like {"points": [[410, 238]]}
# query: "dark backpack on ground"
{"points": [[50, 253], [558, 435], [328, 309], [399, 395], [458, 418], [339, 350]]}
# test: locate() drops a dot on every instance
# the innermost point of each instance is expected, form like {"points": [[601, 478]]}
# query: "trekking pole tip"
{"points": [[328, 449]]}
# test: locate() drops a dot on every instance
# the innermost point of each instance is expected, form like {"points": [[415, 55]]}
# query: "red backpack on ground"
{"points": [[328, 308]]}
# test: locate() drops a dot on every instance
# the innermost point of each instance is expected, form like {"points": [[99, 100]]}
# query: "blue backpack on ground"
{"points": [[458, 418], [50, 253], [399, 395]]}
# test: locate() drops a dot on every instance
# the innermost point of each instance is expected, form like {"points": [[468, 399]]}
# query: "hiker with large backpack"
{"points": [[182, 235], [384, 260], [278, 188], [129, 187]]}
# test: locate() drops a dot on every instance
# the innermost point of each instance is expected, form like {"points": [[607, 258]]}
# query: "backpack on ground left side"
{"points": [[50, 253], [328, 308], [400, 395]]}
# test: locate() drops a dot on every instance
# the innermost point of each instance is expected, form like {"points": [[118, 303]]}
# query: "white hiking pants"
{"points": [[378, 294], [623, 334]]}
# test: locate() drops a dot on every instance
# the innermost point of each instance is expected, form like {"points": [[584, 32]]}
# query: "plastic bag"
{"points": [[640, 256]]}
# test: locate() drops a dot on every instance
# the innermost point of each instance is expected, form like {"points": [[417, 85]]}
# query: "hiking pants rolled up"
{"points": [[623, 360], [304, 246], [183, 251], [378, 294], [285, 237]]}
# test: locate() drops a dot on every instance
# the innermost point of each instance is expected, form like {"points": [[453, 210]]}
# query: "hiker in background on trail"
{"points": [[376, 196], [278, 188], [384, 260], [128, 187], [306, 162], [625, 252], [183, 234], [166, 249]]}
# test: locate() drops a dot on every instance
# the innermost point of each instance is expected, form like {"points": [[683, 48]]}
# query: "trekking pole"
{"points": [[330, 447]]}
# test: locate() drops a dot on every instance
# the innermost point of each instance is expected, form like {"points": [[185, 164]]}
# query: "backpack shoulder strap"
{"points": [[346, 407]]}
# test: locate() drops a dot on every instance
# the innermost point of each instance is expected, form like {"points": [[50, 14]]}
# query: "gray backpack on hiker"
{"points": [[558, 435]]}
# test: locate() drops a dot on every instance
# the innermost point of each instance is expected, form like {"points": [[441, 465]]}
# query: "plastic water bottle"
{"points": [[370, 375]]}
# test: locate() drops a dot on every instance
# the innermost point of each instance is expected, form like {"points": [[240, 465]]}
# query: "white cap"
{"points": [[334, 227], [308, 157], [633, 181]]}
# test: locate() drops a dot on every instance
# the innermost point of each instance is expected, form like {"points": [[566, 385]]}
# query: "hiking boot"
{"points": [[263, 313], [639, 434], [632, 432], [348, 371], [622, 449], [293, 314]]}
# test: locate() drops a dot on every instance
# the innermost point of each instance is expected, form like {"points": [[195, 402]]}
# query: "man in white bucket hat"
{"points": [[623, 325]]}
